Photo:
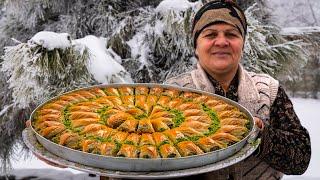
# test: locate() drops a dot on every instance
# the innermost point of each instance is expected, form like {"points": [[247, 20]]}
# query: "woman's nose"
{"points": [[221, 41]]}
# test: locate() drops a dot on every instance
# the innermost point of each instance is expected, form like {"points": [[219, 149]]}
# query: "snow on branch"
{"points": [[174, 5], [103, 64], [51, 40], [266, 50], [50, 64]]}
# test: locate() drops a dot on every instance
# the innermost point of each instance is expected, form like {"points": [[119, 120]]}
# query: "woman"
{"points": [[219, 31]]}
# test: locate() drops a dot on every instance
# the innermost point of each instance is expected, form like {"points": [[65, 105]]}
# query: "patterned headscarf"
{"points": [[219, 11]]}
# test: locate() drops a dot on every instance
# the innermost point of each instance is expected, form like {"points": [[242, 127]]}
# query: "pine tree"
{"points": [[152, 45], [266, 50], [308, 80]]}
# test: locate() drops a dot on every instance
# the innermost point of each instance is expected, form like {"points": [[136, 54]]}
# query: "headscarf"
{"points": [[219, 11]]}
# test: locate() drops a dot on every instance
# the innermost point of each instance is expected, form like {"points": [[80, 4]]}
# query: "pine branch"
{"points": [[36, 74], [268, 51]]}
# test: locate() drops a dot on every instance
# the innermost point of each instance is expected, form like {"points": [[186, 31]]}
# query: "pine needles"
{"points": [[266, 50], [36, 74]]}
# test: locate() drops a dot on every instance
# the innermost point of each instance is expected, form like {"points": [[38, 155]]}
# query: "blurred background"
{"points": [[50, 47]]}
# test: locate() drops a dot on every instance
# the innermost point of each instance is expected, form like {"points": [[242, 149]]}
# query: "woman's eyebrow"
{"points": [[209, 30], [232, 29], [213, 30]]}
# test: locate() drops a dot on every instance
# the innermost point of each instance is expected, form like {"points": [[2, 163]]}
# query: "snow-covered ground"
{"points": [[307, 110]]}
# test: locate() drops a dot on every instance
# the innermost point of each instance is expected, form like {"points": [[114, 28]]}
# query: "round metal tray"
{"points": [[32, 143], [139, 164]]}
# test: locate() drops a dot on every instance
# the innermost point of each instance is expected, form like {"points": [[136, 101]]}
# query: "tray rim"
{"points": [[141, 160], [30, 140]]}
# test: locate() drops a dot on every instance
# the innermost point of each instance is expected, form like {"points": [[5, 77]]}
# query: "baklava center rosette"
{"points": [[141, 122]]}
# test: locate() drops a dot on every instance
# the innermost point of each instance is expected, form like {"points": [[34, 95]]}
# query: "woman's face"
{"points": [[219, 48]]}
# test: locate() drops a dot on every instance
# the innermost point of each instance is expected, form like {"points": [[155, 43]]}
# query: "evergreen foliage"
{"points": [[307, 81], [266, 50], [32, 74], [153, 45], [36, 73]]}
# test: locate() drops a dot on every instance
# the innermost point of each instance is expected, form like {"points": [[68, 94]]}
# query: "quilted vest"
{"points": [[256, 92]]}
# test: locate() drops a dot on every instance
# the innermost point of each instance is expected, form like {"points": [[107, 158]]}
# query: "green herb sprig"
{"points": [[215, 125]]}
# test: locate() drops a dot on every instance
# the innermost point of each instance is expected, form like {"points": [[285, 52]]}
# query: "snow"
{"points": [[139, 48], [174, 5], [306, 109], [159, 27], [32, 162], [115, 56], [138, 44], [102, 65], [51, 40], [19, 66], [299, 30], [105, 66], [135, 43], [32, 166], [51, 174], [5, 108], [295, 13]]}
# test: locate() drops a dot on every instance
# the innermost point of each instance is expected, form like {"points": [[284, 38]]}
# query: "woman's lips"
{"points": [[221, 53]]}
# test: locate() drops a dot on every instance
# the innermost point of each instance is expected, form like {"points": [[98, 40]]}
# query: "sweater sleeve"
{"points": [[285, 143]]}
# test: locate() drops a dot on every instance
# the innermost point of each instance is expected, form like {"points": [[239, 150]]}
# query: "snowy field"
{"points": [[307, 110]]}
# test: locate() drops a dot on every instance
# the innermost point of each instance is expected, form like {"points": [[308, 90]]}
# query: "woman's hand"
{"points": [[28, 124], [259, 123]]}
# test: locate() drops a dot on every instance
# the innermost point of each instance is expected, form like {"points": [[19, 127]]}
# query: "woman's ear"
{"points": [[196, 52]]}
